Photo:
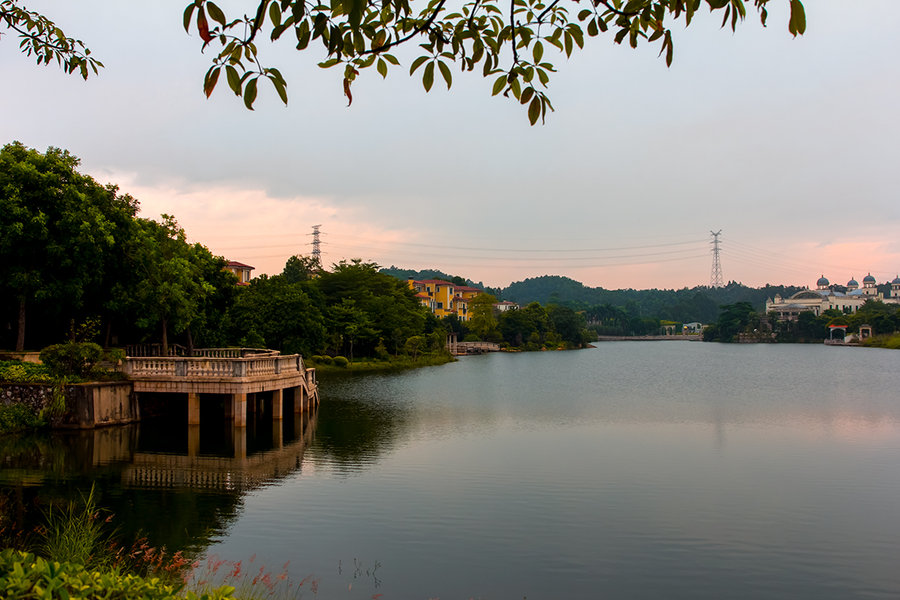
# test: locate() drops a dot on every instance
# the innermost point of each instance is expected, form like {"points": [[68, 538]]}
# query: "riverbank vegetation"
{"points": [[80, 271], [740, 322]]}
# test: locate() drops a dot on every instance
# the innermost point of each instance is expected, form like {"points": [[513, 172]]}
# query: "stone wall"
{"points": [[87, 405]]}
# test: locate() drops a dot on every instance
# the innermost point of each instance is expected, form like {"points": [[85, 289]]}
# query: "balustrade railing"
{"points": [[215, 366]]}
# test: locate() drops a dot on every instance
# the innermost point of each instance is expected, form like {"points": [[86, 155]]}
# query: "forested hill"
{"points": [[686, 305], [699, 303]]}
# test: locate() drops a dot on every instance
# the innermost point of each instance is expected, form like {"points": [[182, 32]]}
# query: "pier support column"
{"points": [[298, 400], [193, 440], [240, 442], [193, 409], [277, 405], [239, 409]]}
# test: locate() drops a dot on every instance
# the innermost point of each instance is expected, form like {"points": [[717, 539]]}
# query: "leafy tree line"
{"points": [[700, 303], [623, 312], [741, 318], [75, 257], [532, 327]]}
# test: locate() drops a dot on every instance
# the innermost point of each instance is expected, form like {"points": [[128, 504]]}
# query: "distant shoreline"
{"points": [[650, 338]]}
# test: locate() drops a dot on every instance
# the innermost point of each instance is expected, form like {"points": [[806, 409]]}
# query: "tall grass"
{"points": [[76, 533]]}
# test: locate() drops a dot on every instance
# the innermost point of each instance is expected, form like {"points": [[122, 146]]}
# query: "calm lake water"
{"points": [[633, 470]]}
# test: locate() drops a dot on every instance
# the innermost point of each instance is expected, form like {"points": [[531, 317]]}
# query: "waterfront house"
{"points": [[241, 271]]}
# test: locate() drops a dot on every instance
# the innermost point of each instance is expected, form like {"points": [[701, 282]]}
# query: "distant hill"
{"points": [[686, 305], [700, 303]]}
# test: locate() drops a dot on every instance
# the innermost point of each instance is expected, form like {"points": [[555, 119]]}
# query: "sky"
{"points": [[787, 145]]}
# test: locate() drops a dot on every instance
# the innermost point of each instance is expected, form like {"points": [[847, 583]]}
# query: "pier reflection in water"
{"points": [[195, 475]]}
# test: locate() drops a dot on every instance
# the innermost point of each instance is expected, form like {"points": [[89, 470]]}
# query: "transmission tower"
{"points": [[316, 248], [715, 277]]}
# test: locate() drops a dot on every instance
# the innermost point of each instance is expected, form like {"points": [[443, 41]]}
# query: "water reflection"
{"points": [[195, 475]]}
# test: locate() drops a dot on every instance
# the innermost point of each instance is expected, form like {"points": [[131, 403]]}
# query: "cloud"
{"points": [[248, 225]]}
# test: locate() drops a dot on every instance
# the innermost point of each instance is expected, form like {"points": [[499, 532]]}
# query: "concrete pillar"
{"points": [[239, 411], [277, 433], [240, 442], [193, 440], [298, 400], [193, 409], [277, 405]]}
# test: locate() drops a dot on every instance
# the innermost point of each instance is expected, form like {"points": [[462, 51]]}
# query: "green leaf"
{"points": [[330, 63], [188, 13], [216, 13], [428, 77], [445, 71], [417, 63], [534, 110], [382, 68], [499, 84], [250, 93], [275, 14], [538, 52], [592, 28], [797, 24], [527, 93], [280, 88], [234, 80], [209, 82]]}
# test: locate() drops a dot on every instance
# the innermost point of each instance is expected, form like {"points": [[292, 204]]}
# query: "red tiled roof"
{"points": [[239, 265]]}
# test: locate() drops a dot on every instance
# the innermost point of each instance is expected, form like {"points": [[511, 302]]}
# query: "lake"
{"points": [[631, 470]]}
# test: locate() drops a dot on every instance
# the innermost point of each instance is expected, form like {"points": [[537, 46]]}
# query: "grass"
{"points": [[891, 341], [76, 533], [374, 365]]}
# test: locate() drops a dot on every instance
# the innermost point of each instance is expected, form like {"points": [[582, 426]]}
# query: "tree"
{"points": [[169, 289], [503, 41], [60, 232], [300, 268], [284, 313], [482, 321], [40, 37]]}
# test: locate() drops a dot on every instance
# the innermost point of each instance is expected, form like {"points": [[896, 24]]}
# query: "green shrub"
{"points": [[326, 360], [15, 371], [19, 417], [72, 359], [341, 361], [26, 576]]}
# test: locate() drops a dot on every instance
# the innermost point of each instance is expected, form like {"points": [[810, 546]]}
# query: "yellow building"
{"points": [[240, 270], [444, 298]]}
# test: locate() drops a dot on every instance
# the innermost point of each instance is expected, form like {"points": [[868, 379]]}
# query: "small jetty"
{"points": [[233, 380]]}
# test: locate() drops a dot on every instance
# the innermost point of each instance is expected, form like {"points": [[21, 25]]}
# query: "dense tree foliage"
{"points": [[61, 236]]}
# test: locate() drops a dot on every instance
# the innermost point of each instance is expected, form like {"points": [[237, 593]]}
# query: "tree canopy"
{"points": [[502, 41]]}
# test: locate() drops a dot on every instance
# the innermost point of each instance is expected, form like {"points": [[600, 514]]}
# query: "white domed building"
{"points": [[824, 298]]}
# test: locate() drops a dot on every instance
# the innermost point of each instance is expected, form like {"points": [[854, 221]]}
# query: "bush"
{"points": [[14, 371], [72, 359], [341, 361], [326, 360], [24, 575], [18, 417]]}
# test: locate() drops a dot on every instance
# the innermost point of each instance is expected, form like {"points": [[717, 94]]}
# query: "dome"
{"points": [[822, 282], [869, 279], [896, 280], [852, 283]]}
